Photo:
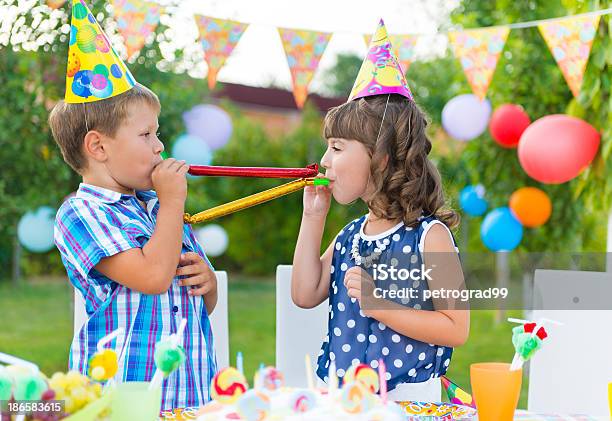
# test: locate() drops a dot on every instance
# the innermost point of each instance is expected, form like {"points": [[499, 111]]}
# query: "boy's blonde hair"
{"points": [[71, 122], [409, 185]]}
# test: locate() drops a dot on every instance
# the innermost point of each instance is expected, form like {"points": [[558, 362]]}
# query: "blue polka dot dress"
{"points": [[354, 338]]}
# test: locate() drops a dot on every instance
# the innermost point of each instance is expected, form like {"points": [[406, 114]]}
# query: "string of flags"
{"points": [[569, 39]]}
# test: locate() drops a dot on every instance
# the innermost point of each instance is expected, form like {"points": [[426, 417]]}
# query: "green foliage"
{"points": [[340, 78]]}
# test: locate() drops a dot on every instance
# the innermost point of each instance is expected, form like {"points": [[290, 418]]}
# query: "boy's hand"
{"points": [[317, 200], [170, 182], [198, 274]]}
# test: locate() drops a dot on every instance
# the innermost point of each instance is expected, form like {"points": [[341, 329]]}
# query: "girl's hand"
{"points": [[317, 200], [359, 284]]}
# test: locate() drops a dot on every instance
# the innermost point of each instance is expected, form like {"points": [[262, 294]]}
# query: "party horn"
{"points": [[262, 172], [254, 199]]}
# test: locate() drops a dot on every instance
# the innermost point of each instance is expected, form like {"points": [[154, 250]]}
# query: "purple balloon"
{"points": [[210, 123], [466, 117]]}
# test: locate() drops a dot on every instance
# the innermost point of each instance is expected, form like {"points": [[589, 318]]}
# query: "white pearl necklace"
{"points": [[367, 261]]}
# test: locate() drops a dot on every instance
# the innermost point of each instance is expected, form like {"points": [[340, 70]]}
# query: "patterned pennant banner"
{"points": [[570, 42], [404, 49], [403, 46], [218, 38], [136, 21], [478, 50], [55, 4], [304, 50]]}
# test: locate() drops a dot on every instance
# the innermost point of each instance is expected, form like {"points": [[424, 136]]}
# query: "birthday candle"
{"points": [[262, 172], [254, 199], [332, 378], [239, 362], [309, 372], [382, 371]]}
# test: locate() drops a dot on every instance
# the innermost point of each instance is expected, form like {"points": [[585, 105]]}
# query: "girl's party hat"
{"points": [[380, 72], [456, 394], [94, 70]]}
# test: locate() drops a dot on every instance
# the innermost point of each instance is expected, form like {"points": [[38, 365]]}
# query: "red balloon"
{"points": [[556, 148], [508, 123]]}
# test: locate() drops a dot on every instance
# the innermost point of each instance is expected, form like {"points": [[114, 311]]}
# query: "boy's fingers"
{"points": [[190, 257], [201, 290]]}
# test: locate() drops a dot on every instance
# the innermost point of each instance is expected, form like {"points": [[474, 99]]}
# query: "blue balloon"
{"points": [[210, 123], [500, 230], [472, 201], [35, 229], [192, 149]]}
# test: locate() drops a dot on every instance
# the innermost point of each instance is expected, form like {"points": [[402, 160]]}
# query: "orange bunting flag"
{"points": [[55, 4], [304, 50], [136, 21], [570, 42], [218, 38], [478, 50]]}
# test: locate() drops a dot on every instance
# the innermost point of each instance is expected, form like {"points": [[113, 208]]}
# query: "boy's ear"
{"points": [[94, 146]]}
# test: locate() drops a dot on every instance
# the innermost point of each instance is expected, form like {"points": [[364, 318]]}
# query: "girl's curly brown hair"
{"points": [[409, 185]]}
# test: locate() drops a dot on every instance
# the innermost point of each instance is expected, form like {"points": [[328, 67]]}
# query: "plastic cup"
{"points": [[496, 390], [134, 401]]}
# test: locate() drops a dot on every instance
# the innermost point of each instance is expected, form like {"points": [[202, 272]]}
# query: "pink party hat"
{"points": [[380, 72]]}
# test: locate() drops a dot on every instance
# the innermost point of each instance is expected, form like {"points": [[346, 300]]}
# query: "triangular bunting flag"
{"points": [[94, 69], [367, 38], [478, 50], [218, 38], [570, 40], [304, 50], [403, 45], [136, 21], [455, 394], [380, 72]]}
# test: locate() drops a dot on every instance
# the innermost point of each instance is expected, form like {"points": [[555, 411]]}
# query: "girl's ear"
{"points": [[94, 146]]}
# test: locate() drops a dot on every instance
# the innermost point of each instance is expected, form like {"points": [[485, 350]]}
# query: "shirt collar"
{"points": [[100, 194]]}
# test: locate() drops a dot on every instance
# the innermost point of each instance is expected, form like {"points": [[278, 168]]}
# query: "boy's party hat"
{"points": [[380, 72], [455, 394], [94, 70]]}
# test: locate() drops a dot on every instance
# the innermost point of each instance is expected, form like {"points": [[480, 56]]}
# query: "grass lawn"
{"points": [[36, 324]]}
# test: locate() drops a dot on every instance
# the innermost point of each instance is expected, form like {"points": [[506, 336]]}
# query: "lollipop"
{"points": [[362, 373], [29, 386], [356, 398], [228, 385], [253, 405], [104, 363], [269, 378], [302, 401]]}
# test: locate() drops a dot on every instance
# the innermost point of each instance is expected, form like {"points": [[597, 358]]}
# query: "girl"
{"points": [[377, 152]]}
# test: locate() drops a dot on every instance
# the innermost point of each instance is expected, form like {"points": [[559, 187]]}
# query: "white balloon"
{"points": [[213, 239], [466, 117]]}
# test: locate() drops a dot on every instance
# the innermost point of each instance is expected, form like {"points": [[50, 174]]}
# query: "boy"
{"points": [[122, 238]]}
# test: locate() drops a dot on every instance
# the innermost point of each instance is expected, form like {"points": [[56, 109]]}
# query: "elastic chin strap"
{"points": [[383, 118], [85, 115]]}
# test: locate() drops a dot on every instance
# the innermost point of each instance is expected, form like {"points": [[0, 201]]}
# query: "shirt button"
{"points": [[175, 309]]}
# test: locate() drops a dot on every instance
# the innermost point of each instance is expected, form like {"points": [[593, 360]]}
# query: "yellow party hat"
{"points": [[380, 72], [94, 70]]}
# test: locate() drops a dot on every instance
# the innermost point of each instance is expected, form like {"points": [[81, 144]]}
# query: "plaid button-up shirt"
{"points": [[99, 223]]}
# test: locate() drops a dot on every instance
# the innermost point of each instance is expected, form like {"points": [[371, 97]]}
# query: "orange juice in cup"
{"points": [[496, 390]]}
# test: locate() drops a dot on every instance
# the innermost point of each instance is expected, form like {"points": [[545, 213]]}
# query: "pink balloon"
{"points": [[508, 123], [556, 148]]}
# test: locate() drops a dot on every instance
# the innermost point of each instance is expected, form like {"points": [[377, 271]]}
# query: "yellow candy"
{"points": [[228, 385], [103, 365], [356, 398], [364, 374]]}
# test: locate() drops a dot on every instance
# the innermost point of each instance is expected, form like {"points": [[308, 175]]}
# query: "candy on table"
{"points": [[527, 339], [356, 398], [254, 405], [228, 385], [254, 199], [302, 401], [387, 413], [168, 356], [75, 389], [362, 373], [6, 384], [269, 378], [104, 363]]}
